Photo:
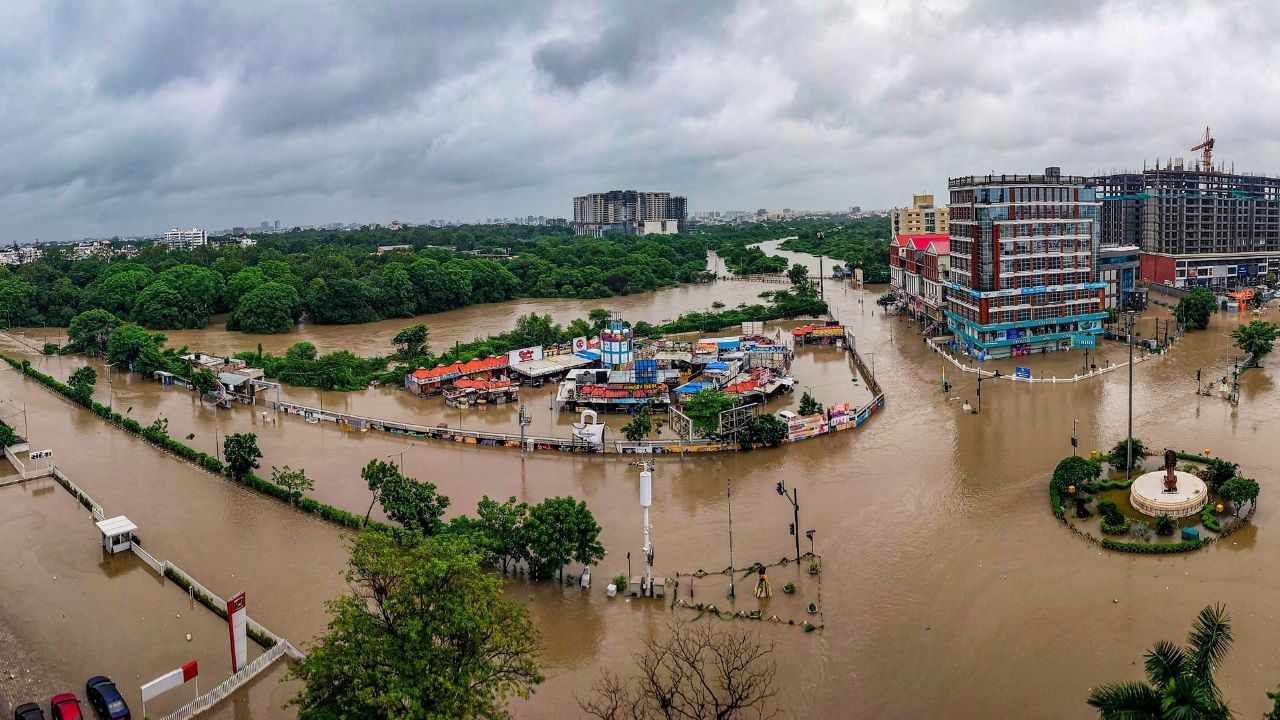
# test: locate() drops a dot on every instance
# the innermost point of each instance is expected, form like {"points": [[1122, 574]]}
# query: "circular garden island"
{"points": [[1174, 502]]}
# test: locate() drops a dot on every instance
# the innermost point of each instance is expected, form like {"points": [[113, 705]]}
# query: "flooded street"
{"points": [[948, 588]]}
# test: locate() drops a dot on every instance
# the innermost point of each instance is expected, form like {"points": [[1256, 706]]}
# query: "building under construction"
{"points": [[1197, 223]]}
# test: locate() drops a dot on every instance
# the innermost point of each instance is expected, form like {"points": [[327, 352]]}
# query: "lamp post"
{"points": [[993, 375], [809, 534], [793, 498], [401, 454], [872, 355], [1130, 316], [728, 494]]}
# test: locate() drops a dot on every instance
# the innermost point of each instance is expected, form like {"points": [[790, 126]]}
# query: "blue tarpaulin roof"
{"points": [[717, 365], [588, 354], [693, 387]]}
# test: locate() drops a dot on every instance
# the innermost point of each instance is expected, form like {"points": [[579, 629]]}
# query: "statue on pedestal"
{"points": [[1170, 465]]}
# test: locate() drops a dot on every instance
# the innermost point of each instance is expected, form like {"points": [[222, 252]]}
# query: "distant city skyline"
{"points": [[468, 111]]}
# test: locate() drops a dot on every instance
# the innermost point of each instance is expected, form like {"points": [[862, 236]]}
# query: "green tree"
{"points": [[117, 292], [809, 406], [16, 298], [1256, 339], [411, 342], [1239, 490], [704, 408], [395, 293], [535, 329], [1216, 472], [204, 382], [1119, 457], [798, 274], [82, 381], [561, 530], [271, 307], [295, 482], [241, 453], [405, 500], [1195, 307], [1076, 471], [766, 429], [1180, 682], [640, 426], [89, 331], [341, 301], [502, 530], [127, 342], [7, 436], [201, 290], [424, 633], [160, 306]]}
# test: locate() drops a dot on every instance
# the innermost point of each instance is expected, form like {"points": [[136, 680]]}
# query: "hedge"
{"points": [[1152, 548], [1055, 501], [1094, 488], [264, 641], [1209, 520], [186, 452]]}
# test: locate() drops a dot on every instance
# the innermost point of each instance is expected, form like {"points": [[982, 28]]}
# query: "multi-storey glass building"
{"points": [[1023, 253]]}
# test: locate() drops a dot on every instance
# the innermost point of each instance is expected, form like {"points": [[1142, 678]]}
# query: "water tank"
{"points": [[646, 489]]}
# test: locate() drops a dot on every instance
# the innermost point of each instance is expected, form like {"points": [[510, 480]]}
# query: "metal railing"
{"points": [[990, 375]]}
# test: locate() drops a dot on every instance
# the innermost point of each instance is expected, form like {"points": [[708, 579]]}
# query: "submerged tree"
{"points": [[241, 453], [1180, 682], [1119, 458], [424, 633], [700, 670], [295, 482], [1256, 339]]}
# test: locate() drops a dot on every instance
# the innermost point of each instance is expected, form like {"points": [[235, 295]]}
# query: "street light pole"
{"points": [[524, 420], [794, 499], [1129, 445], [728, 493], [995, 374]]}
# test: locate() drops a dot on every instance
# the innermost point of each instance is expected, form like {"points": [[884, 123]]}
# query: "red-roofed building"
{"points": [[919, 269], [430, 381]]}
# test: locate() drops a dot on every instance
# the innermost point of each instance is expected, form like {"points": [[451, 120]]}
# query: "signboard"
{"points": [[640, 387], [806, 426], [237, 624], [1084, 342], [857, 275], [828, 331], [524, 355], [1012, 334], [170, 680], [1022, 372], [37, 454], [579, 343]]}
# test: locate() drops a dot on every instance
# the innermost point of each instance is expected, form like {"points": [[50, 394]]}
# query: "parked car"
{"points": [[28, 711], [65, 707], [105, 698]]}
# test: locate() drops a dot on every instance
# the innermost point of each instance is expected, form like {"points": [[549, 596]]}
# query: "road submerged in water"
{"points": [[948, 588]]}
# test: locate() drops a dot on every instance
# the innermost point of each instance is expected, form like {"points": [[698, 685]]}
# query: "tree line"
{"points": [[341, 278]]}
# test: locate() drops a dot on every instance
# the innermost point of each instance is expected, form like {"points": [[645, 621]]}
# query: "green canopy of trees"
{"points": [[1257, 339], [1195, 307]]}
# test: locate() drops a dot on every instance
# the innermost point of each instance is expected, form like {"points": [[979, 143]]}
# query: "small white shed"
{"points": [[117, 533]]}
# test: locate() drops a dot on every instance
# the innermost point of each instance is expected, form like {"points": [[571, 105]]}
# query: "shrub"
{"points": [[1209, 520], [1153, 548], [789, 588], [1165, 525], [1114, 522], [620, 582], [1076, 471], [1120, 454]]}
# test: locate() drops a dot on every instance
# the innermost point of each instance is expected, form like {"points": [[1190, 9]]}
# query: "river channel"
{"points": [[948, 590]]}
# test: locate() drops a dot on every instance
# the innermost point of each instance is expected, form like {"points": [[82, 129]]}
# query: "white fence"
{"points": [[229, 686], [990, 375]]}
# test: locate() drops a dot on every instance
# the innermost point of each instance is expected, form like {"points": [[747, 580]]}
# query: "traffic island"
{"points": [[1173, 509]]}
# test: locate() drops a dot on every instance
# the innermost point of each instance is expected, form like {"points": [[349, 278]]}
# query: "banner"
{"points": [[169, 680], [524, 355], [579, 344], [237, 624]]}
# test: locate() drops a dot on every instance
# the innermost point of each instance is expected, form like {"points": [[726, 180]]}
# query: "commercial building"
{"points": [[1195, 225], [922, 218], [177, 239], [1023, 249], [629, 212], [1118, 267], [919, 270]]}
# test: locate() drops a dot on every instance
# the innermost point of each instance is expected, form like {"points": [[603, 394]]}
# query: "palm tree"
{"points": [[1180, 684]]}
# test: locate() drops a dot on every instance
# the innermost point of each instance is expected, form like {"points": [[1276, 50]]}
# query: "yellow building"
{"points": [[921, 218]]}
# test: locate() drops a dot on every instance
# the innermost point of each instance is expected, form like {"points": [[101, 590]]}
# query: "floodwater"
{"points": [[948, 589]]}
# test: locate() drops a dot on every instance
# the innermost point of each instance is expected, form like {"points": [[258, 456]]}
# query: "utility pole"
{"points": [[1130, 317], [794, 499], [822, 293], [1075, 442], [728, 493], [646, 500], [525, 420]]}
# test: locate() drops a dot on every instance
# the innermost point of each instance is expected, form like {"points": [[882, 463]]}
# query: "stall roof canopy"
{"points": [[718, 365], [231, 379], [458, 369], [117, 525], [553, 364]]}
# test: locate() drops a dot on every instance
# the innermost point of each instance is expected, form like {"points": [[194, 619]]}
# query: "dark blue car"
{"points": [[105, 698]]}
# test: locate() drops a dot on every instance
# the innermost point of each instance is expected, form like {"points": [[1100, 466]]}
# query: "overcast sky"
{"points": [[124, 118]]}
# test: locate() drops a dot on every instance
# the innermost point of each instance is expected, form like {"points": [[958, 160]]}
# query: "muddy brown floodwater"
{"points": [[948, 589]]}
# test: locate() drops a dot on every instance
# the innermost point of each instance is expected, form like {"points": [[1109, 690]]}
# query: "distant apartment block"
{"points": [[922, 218], [629, 212], [177, 239], [20, 254], [1023, 251], [1195, 225]]}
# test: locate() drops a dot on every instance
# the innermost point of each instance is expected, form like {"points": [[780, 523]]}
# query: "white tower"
{"points": [[646, 500]]}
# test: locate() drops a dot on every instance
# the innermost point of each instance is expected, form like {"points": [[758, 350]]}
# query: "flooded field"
{"points": [[948, 588]]}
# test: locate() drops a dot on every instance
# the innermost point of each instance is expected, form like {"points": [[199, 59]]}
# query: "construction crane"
{"points": [[1206, 165]]}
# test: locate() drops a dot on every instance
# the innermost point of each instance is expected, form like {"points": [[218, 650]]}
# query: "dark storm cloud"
{"points": [[132, 117]]}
